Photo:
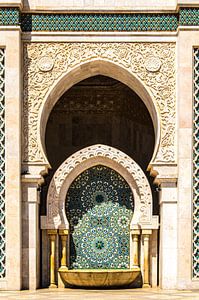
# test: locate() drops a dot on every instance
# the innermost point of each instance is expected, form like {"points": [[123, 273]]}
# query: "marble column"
{"points": [[135, 244], [52, 236], [145, 237], [64, 236]]}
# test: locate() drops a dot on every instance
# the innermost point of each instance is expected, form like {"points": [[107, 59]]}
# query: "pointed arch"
{"points": [[89, 157], [93, 68]]}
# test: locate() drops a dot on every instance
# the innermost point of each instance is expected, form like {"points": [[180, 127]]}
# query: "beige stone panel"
{"points": [[119, 5], [186, 41], [13, 179], [99, 37], [185, 98], [10, 3], [185, 173], [185, 142], [185, 197], [168, 238], [188, 2], [185, 79], [169, 225], [11, 41], [169, 268]]}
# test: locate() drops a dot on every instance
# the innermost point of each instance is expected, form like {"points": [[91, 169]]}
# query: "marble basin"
{"points": [[99, 278]]}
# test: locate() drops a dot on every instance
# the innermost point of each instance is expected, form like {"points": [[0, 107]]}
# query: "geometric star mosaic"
{"points": [[2, 165], [99, 208]]}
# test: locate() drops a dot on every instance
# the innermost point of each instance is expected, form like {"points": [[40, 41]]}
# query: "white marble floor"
{"points": [[73, 294]]}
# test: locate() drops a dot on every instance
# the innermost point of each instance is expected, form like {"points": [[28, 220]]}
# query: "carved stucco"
{"points": [[130, 56], [56, 202]]}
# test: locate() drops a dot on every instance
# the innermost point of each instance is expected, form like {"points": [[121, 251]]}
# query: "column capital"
{"points": [[52, 231], [135, 231], [146, 232], [63, 231], [164, 174]]}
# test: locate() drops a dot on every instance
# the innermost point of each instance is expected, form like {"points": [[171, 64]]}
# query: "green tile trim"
{"points": [[189, 16], [195, 235], [2, 167], [9, 17], [99, 21], [88, 22]]}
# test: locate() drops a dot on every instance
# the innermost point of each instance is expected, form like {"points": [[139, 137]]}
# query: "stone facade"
{"points": [[45, 49]]}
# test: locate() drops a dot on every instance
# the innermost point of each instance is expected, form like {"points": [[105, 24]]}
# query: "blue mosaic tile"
{"points": [[99, 22], [9, 17], [189, 16], [99, 207], [88, 21]]}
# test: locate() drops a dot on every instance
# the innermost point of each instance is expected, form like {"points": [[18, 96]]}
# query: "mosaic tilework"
{"points": [[99, 22], [2, 165], [88, 22], [99, 207], [9, 16], [196, 167], [189, 16]]}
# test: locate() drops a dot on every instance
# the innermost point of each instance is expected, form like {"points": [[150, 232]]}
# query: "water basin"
{"points": [[99, 278]]}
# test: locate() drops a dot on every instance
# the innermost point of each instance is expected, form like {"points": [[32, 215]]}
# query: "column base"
{"points": [[136, 267], [64, 267], [52, 286], [146, 285]]}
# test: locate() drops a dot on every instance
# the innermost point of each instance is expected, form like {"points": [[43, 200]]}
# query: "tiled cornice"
{"points": [[99, 21]]}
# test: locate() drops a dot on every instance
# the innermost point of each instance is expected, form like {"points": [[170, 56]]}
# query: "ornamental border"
{"points": [[112, 22], [195, 177], [2, 167]]}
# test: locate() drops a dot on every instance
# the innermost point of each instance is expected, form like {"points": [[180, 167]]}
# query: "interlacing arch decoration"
{"points": [[89, 157]]}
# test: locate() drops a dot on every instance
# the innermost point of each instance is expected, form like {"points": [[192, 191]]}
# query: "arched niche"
{"points": [[87, 158], [89, 69]]}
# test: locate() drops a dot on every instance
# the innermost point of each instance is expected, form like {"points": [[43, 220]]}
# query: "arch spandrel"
{"points": [[89, 157], [147, 68]]}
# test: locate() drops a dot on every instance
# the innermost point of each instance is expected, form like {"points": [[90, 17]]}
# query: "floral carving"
{"points": [[130, 56], [153, 64], [45, 64], [55, 203]]}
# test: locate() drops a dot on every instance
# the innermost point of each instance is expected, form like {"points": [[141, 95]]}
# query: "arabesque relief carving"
{"points": [[130, 56], [55, 203]]}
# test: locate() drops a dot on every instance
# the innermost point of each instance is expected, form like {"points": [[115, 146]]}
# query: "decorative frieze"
{"points": [[186, 16], [2, 165], [196, 166], [9, 17], [189, 16], [99, 22], [158, 76]]}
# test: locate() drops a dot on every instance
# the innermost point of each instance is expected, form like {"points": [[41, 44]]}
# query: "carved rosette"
{"points": [[152, 63], [54, 201]]}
